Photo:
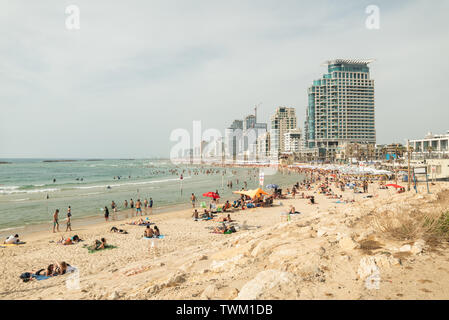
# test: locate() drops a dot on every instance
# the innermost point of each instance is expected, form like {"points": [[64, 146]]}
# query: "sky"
{"points": [[136, 70]]}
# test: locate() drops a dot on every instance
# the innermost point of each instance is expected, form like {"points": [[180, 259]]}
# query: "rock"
{"points": [[263, 247], [384, 261], [203, 257], [233, 293], [209, 293], [175, 280], [153, 289], [114, 296], [263, 284], [418, 246], [346, 243], [367, 267], [322, 232], [405, 248], [225, 265]]}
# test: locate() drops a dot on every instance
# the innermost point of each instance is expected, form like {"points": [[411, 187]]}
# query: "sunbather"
{"points": [[69, 241], [98, 244], [58, 268], [12, 239], [114, 229], [156, 231], [195, 214], [148, 233]]}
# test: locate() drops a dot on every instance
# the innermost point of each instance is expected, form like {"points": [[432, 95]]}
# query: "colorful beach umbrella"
{"points": [[395, 186], [211, 194]]}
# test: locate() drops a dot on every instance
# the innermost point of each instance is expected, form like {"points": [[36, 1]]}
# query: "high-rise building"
{"points": [[233, 136], [283, 120], [341, 106], [292, 140]]}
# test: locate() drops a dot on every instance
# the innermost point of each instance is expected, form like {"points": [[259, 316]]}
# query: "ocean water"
{"points": [[87, 186]]}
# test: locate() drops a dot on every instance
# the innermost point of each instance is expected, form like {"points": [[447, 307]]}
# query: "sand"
{"points": [[316, 255]]}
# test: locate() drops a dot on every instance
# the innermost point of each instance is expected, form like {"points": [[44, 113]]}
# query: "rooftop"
{"points": [[349, 61]]}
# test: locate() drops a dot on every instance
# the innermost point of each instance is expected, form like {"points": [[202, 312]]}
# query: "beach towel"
{"points": [[39, 277], [108, 246], [158, 237], [12, 244]]}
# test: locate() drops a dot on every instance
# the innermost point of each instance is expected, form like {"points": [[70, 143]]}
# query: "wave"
{"points": [[13, 191], [129, 183]]}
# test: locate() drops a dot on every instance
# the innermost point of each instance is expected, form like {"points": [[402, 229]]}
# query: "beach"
{"points": [[330, 250]]}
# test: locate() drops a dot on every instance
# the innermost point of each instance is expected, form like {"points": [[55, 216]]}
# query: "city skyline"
{"points": [[120, 84]]}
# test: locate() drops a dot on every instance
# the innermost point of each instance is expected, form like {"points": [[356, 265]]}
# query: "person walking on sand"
{"points": [[55, 220], [106, 214], [193, 199], [69, 222]]}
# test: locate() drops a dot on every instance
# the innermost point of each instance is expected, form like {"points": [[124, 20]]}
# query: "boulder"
{"points": [[346, 243], [176, 279], [209, 293], [384, 261], [367, 267], [405, 248], [418, 246], [263, 285]]}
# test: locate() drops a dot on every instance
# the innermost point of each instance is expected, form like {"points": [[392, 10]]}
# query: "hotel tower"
{"points": [[341, 106]]}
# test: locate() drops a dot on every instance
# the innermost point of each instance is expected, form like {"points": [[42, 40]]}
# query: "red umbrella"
{"points": [[395, 186], [211, 194]]}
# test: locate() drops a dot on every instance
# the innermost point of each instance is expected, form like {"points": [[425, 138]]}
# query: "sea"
{"points": [[32, 189]]}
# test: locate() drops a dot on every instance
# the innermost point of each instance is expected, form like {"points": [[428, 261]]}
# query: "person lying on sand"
{"points": [[140, 222], [69, 241], [293, 210], [221, 229], [114, 229], [12, 239], [224, 229], [98, 244], [58, 268], [223, 219]]}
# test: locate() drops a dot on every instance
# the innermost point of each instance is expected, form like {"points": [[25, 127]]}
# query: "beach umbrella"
{"points": [[272, 186], [211, 194], [394, 186]]}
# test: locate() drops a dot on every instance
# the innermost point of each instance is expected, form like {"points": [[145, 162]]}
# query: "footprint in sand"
{"points": [[425, 290], [425, 281]]}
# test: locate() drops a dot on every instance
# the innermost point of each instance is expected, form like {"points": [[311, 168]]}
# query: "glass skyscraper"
{"points": [[341, 106]]}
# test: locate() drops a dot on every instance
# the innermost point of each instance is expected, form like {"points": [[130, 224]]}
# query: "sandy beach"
{"points": [[329, 251]]}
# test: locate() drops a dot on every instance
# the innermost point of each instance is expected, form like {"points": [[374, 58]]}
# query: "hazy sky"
{"points": [[136, 70]]}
